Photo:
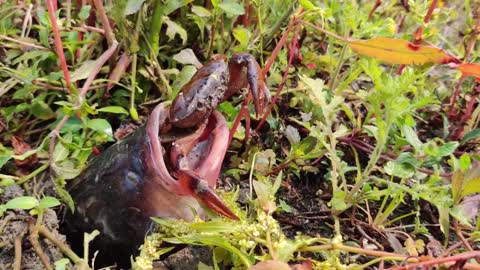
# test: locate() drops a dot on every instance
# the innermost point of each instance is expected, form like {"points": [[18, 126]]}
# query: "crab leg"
{"points": [[254, 77]]}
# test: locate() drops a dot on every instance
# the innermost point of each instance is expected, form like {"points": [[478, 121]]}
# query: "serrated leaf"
{"points": [[292, 134], [307, 5], [100, 125], [113, 109], [447, 149], [133, 6], [23, 202], [232, 8], [398, 51], [48, 202]]}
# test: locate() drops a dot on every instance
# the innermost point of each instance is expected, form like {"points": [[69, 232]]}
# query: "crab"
{"points": [[167, 168]]}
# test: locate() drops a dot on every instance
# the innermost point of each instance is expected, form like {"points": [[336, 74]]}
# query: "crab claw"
{"points": [[200, 189], [253, 76], [198, 160]]}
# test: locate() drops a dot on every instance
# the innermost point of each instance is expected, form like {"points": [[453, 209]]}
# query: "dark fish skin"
{"points": [[106, 195], [117, 194]]}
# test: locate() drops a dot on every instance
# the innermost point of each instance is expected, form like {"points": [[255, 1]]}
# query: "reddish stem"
{"points": [[51, 5], [284, 79], [417, 36], [375, 7], [459, 257]]}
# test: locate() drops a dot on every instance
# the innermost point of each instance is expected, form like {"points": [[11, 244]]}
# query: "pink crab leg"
{"points": [[205, 194]]}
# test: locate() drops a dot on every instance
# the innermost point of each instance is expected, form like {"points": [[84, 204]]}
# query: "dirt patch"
{"points": [[15, 225]]}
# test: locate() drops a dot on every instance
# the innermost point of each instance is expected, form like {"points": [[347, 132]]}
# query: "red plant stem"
{"points": [[284, 79], [280, 44], [243, 111], [437, 261], [86, 86], [105, 23], [80, 34], [417, 36], [266, 68], [51, 5], [468, 51], [375, 7]]}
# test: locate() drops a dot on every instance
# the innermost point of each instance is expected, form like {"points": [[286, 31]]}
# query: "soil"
{"points": [[15, 224]]}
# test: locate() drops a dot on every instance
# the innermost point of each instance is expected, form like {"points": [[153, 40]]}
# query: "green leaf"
{"points": [[338, 201], [201, 11], [41, 110], [210, 240], [4, 158], [60, 153], [447, 149], [232, 8], [66, 169], [471, 181], [23, 202], [172, 5], [412, 138], [133, 6], [83, 71], [464, 162], [61, 264], [64, 195], [173, 29], [48, 202], [100, 125], [470, 136], [213, 227], [242, 35], [84, 12], [113, 109], [307, 5], [285, 207]]}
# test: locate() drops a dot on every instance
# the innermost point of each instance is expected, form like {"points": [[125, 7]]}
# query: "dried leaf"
{"points": [[187, 57], [397, 51], [270, 265], [470, 70], [19, 148]]}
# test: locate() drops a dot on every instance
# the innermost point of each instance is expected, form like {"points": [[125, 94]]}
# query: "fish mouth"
{"points": [[191, 177]]}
